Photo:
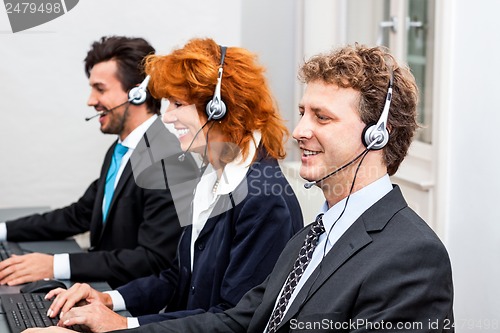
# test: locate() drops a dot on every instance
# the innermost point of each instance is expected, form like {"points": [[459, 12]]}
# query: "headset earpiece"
{"points": [[216, 108], [138, 95], [376, 136]]}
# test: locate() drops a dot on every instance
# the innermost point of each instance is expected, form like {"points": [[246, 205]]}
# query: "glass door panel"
{"points": [[406, 28], [419, 56]]}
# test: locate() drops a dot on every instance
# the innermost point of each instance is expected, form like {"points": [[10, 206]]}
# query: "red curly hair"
{"points": [[190, 74]]}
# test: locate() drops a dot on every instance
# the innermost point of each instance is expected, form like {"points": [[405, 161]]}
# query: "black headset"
{"points": [[376, 136], [216, 108], [138, 95]]}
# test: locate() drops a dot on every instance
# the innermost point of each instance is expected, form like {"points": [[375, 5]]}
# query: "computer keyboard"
{"points": [[29, 310], [9, 248], [26, 310]]}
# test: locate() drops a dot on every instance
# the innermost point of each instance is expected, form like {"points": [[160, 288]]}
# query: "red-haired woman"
{"points": [[244, 210]]}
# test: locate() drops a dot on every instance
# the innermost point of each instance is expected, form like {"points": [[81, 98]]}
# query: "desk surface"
{"points": [[51, 247], [7, 214]]}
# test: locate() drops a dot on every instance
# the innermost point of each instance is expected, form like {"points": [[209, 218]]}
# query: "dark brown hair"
{"points": [[129, 54]]}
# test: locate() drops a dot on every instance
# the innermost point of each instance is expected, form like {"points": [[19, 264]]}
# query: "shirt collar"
{"points": [[132, 140], [359, 202], [235, 171]]}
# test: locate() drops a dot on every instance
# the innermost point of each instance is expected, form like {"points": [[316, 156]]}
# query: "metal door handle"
{"points": [[392, 24], [414, 24]]}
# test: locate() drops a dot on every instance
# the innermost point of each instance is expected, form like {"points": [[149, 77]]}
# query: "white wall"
{"points": [[273, 30], [269, 29], [473, 234], [49, 154]]}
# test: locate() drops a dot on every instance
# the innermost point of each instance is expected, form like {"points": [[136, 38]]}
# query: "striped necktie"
{"points": [[299, 267]]}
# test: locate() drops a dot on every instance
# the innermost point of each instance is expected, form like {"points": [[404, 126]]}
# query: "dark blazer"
{"points": [[389, 266], [139, 237], [234, 252]]}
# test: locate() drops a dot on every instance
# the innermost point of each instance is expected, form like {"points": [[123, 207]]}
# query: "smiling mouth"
{"points": [[182, 131], [306, 152], [102, 115]]}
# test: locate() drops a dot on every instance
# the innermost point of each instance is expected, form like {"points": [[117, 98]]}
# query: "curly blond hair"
{"points": [[368, 70]]}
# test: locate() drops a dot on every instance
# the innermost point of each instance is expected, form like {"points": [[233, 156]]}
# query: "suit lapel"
{"points": [[96, 225], [351, 242], [276, 280], [354, 239], [126, 174], [222, 205], [227, 202]]}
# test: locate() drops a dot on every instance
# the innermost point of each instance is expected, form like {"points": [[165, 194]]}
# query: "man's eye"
{"points": [[177, 104]]}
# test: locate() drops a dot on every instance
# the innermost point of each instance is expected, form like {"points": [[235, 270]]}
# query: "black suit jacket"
{"points": [[141, 232], [388, 266]]}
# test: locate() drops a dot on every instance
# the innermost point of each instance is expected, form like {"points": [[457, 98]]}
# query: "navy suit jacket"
{"points": [[234, 252], [389, 266], [141, 232]]}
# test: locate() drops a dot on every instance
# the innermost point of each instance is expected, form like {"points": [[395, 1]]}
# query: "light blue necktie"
{"points": [[109, 189]]}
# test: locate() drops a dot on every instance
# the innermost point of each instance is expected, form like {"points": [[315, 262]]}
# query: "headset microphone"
{"points": [[105, 112], [183, 155], [136, 96], [96, 115], [310, 184]]}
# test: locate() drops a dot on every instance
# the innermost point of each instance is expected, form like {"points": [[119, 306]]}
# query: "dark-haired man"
{"points": [[133, 230]]}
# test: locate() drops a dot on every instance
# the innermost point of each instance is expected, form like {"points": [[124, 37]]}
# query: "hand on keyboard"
{"points": [[79, 294], [26, 268], [96, 316]]}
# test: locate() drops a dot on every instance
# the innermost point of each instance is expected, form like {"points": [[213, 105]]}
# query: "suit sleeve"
{"points": [[57, 224], [157, 238], [149, 294], [236, 320]]}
